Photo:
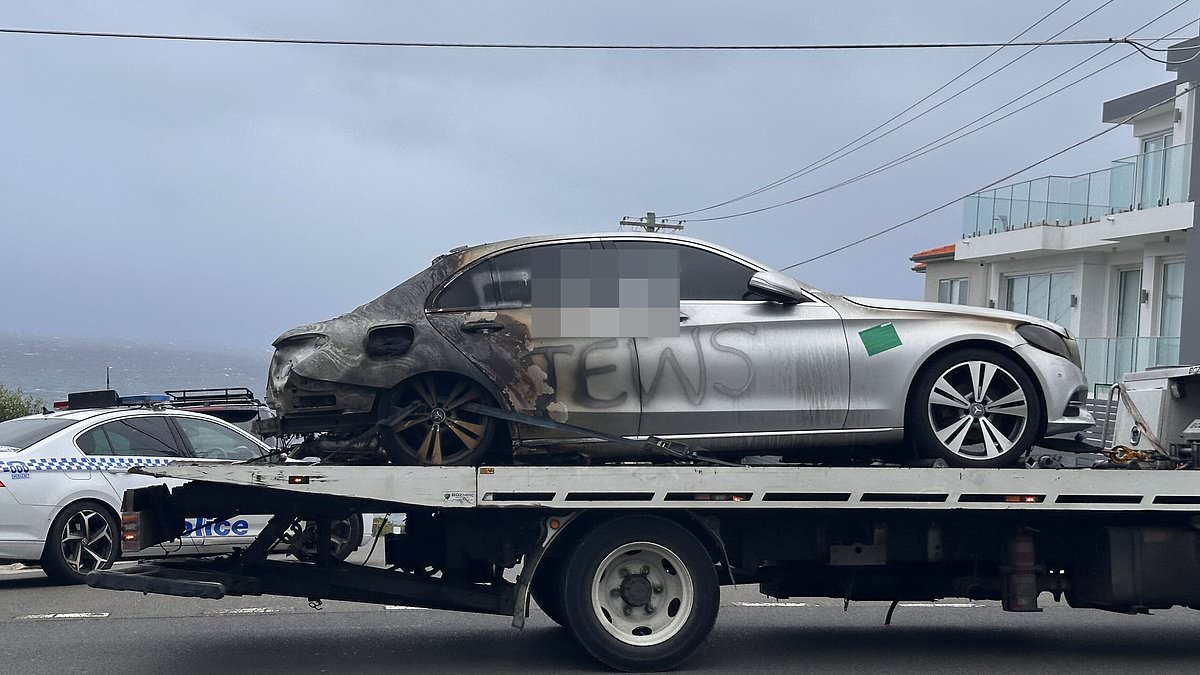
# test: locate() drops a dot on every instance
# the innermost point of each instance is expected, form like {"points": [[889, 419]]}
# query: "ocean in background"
{"points": [[49, 367]]}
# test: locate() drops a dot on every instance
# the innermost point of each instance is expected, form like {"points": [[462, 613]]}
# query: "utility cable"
{"points": [[813, 166], [937, 142], [556, 46]]}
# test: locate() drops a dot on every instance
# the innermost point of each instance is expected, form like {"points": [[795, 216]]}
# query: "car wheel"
{"points": [[975, 408], [640, 593], [83, 538], [346, 535], [437, 430]]}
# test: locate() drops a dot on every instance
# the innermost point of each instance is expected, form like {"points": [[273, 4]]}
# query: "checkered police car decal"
{"points": [[23, 468]]}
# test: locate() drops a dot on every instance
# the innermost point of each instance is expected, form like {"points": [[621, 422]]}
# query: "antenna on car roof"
{"points": [[650, 223], [107, 374]]}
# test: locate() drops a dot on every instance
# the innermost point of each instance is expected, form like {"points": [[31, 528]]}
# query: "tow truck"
{"points": [[630, 558]]}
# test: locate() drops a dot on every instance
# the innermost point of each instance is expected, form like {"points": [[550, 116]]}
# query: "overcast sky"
{"points": [[222, 193]]}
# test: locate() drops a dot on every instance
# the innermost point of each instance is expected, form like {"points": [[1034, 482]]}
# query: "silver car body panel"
{"points": [[744, 374]]}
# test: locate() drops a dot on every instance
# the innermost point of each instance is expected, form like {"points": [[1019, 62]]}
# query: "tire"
{"points": [[950, 418], [346, 534], [84, 537], [546, 589], [615, 576], [436, 431]]}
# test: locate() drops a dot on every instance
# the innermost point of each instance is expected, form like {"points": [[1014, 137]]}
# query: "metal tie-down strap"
{"points": [[652, 444]]}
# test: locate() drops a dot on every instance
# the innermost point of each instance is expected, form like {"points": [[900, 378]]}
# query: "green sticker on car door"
{"points": [[879, 338]]}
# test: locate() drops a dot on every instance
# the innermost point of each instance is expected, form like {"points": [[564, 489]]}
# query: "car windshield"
{"points": [[22, 433]]}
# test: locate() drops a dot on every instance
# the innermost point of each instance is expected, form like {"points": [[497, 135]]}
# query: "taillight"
{"points": [[129, 533], [1, 483], [62, 405]]}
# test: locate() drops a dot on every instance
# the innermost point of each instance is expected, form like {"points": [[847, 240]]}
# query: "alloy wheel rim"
{"points": [[438, 431], [306, 546], [978, 410], [642, 594], [87, 542]]}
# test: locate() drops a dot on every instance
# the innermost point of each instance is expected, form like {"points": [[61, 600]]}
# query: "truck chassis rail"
{"points": [[216, 578]]}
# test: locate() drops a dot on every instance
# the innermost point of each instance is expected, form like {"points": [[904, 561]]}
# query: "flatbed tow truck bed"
{"points": [[630, 558]]}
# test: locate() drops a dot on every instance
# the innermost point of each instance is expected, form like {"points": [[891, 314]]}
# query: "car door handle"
{"points": [[481, 326], [683, 317]]}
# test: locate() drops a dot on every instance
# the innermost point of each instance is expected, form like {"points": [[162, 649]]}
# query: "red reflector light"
{"points": [[298, 480], [129, 536], [1, 483], [62, 405], [1021, 499]]}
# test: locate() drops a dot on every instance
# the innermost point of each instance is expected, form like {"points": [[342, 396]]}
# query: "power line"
{"points": [[1018, 172], [812, 166], [558, 46], [1167, 61], [937, 142], [827, 160]]}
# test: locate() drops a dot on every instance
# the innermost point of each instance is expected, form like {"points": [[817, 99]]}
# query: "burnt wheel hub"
{"points": [[636, 590]]}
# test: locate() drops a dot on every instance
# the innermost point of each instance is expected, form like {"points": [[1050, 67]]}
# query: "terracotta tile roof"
{"points": [[939, 253]]}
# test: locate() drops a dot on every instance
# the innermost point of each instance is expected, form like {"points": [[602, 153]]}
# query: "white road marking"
{"points": [[950, 605], [947, 605], [62, 615], [256, 610], [774, 604], [400, 607]]}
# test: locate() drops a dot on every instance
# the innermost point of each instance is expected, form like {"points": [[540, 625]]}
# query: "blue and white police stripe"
{"points": [[22, 468]]}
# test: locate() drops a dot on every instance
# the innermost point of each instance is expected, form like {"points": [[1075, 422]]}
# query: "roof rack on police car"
{"points": [[210, 396]]}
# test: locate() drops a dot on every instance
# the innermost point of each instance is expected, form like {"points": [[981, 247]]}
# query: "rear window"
{"points": [[23, 433]]}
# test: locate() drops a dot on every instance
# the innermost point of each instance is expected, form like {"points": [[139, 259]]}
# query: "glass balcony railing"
{"points": [[1142, 181], [1106, 359]]}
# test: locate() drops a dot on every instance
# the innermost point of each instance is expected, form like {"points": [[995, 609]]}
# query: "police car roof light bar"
{"points": [[108, 398], [144, 399]]}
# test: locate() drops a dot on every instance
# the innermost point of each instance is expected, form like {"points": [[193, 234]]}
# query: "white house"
{"points": [[1100, 252]]}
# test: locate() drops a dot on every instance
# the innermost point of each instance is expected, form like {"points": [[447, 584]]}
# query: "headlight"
{"points": [[1049, 341]]}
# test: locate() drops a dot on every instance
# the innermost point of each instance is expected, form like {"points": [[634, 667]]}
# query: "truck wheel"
{"points": [[83, 538], [640, 593], [546, 589], [974, 408]]}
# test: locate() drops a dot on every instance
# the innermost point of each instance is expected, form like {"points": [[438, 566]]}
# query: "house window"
{"points": [[952, 291], [1152, 167], [1171, 311], [1129, 300], [1046, 295]]}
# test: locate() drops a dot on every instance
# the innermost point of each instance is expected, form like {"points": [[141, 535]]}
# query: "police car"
{"points": [[62, 476]]}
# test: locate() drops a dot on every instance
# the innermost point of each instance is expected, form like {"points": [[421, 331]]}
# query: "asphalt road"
{"points": [[56, 629]]}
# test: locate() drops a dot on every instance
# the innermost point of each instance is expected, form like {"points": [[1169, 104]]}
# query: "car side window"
{"points": [[502, 281], [703, 275], [514, 271], [131, 437], [473, 289], [210, 440]]}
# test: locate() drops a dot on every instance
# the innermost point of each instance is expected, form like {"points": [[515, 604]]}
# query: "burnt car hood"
{"points": [[956, 310]]}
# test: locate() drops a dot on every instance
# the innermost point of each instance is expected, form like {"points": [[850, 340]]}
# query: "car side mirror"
{"points": [[777, 287]]}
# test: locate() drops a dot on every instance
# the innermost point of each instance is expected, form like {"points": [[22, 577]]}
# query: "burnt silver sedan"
{"points": [[747, 361]]}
